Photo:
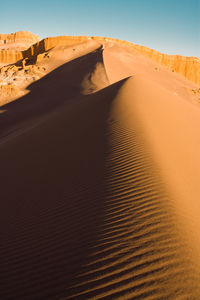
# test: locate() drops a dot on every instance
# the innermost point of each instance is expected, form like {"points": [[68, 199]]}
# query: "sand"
{"points": [[99, 180]]}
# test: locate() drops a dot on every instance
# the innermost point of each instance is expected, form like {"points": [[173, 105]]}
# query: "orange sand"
{"points": [[100, 177]]}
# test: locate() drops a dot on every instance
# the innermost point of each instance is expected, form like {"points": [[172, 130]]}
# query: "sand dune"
{"points": [[99, 181]]}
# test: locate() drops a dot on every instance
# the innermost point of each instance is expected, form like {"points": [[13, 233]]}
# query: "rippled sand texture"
{"points": [[90, 204]]}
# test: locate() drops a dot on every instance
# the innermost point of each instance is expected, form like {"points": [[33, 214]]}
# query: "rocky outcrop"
{"points": [[10, 56], [12, 45]]}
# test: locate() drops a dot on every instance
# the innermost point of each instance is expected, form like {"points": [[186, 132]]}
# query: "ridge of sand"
{"points": [[99, 199]]}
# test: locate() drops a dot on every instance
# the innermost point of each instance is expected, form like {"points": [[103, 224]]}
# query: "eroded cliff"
{"points": [[12, 45]]}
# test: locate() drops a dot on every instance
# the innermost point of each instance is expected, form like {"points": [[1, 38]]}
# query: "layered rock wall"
{"points": [[12, 45], [10, 56]]}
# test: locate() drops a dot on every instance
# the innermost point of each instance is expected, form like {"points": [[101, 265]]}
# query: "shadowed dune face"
{"points": [[87, 211], [73, 206]]}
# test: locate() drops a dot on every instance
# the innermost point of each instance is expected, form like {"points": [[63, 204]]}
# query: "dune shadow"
{"points": [[53, 194]]}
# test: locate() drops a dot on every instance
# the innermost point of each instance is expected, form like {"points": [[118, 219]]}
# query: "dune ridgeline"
{"points": [[100, 168]]}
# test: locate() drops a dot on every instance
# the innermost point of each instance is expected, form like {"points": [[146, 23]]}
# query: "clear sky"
{"points": [[170, 26]]}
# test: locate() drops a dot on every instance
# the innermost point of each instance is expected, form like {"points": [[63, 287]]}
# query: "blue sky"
{"points": [[170, 26]]}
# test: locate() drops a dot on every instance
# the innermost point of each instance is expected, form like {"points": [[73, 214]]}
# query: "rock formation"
{"points": [[12, 45]]}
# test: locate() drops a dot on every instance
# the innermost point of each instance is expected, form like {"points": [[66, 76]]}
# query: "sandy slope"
{"points": [[99, 183]]}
